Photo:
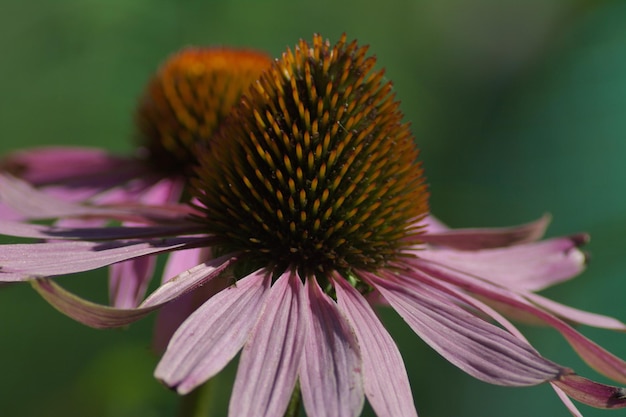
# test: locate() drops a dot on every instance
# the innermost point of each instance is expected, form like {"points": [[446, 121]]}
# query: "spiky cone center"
{"points": [[315, 170], [191, 93]]}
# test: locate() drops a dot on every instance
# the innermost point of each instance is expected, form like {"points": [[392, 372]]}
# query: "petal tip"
{"points": [[590, 392], [580, 239]]}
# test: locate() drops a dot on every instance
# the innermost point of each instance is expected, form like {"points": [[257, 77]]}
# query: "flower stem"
{"points": [[293, 409], [197, 403]]}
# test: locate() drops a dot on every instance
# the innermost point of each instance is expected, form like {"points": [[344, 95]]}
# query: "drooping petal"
{"points": [[90, 230], [21, 262], [173, 314], [481, 349], [129, 280], [530, 267], [213, 334], [270, 359], [382, 363], [592, 393], [462, 297], [483, 238], [103, 316], [596, 356], [84, 311], [486, 309], [330, 369]]}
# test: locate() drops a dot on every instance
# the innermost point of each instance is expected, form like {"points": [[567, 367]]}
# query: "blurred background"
{"points": [[519, 107]]}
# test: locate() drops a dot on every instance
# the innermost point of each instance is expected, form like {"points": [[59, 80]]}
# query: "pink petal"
{"points": [[463, 298], [433, 225], [101, 316], [146, 190], [330, 369], [482, 307], [67, 224], [592, 393], [173, 314], [269, 362], [597, 357], [74, 195], [188, 280], [213, 334], [21, 262], [105, 188], [576, 316], [86, 312], [481, 349], [129, 280], [384, 376], [10, 214], [531, 267], [484, 238], [36, 204], [54, 164], [139, 213], [566, 400], [91, 230], [167, 190]]}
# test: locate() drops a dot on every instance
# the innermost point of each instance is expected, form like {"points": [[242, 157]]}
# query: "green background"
{"points": [[519, 108]]}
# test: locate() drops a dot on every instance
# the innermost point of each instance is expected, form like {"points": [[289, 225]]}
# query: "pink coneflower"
{"points": [[183, 104], [313, 205]]}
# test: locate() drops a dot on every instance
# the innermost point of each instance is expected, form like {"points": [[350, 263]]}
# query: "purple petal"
{"points": [[269, 362], [56, 164], [592, 393], [129, 280], [188, 280], [481, 349], [167, 190], [106, 188], [101, 316], [566, 400], [36, 204], [466, 299], [482, 307], [531, 267], [94, 232], [10, 214], [330, 370], [576, 316], [146, 190], [432, 225], [173, 314], [213, 334], [484, 238], [68, 223], [597, 357], [21, 262], [384, 376], [87, 312]]}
